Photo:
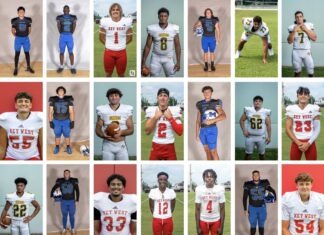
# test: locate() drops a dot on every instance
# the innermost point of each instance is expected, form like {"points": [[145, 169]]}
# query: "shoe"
{"points": [[63, 231], [56, 150], [59, 70], [270, 52], [237, 54], [29, 69], [213, 68], [73, 231], [206, 68], [15, 72], [68, 150], [73, 71]]}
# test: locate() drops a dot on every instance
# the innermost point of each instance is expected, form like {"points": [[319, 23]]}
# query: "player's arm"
{"points": [[56, 185], [177, 47], [40, 142], [222, 217], [102, 36], [36, 205], [242, 20], [77, 191], [198, 124], [150, 125], [245, 198], [129, 35], [99, 125], [29, 29], [310, 33], [289, 131], [242, 125], [196, 25], [132, 226], [218, 32], [268, 125], [291, 36], [3, 143], [151, 204], [176, 124], [197, 216], [147, 48], [74, 25], [321, 227], [71, 114], [285, 227], [221, 116], [130, 127], [173, 204], [58, 25], [96, 222], [265, 49], [4, 213], [270, 189]]}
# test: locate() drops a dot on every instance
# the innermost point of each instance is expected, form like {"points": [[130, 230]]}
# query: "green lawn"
{"points": [[286, 142], [146, 219], [250, 63], [271, 154], [99, 50], [99, 157], [191, 214], [289, 72], [147, 143]]}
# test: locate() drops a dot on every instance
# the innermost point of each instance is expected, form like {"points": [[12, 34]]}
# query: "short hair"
{"points": [[211, 11], [162, 173], [163, 90], [303, 177], [116, 176], [23, 94], [209, 171], [299, 12], [163, 10], [66, 6], [257, 19], [21, 8], [207, 88], [258, 97], [114, 91], [67, 171], [302, 90], [20, 180], [61, 88], [255, 171], [116, 5]]}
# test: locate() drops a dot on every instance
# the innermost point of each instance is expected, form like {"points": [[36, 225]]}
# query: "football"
{"points": [[112, 129], [146, 71], [6, 220]]}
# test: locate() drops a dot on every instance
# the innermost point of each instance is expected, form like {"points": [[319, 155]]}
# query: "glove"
{"points": [[52, 124], [72, 124]]}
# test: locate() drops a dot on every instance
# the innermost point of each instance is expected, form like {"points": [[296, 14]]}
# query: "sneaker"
{"points": [[68, 150], [63, 231], [213, 68], [15, 72], [73, 71], [29, 69], [59, 70], [206, 68], [270, 52], [56, 150], [237, 55], [73, 232]]}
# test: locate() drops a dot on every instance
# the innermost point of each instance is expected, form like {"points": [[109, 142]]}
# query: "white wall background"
{"points": [[81, 35]]}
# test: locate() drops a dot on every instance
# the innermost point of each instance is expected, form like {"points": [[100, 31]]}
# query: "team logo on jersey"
{"points": [[209, 114]]}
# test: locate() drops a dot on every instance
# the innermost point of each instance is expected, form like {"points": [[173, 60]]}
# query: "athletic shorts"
{"points": [[66, 40]]}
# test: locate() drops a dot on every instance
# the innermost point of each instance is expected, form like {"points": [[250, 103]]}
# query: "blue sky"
{"points": [[150, 172], [316, 89], [149, 90], [102, 6]]}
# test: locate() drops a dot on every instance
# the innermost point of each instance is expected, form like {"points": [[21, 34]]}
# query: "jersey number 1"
{"points": [[163, 208], [116, 37]]}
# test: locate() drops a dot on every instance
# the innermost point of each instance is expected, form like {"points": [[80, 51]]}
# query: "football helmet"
{"points": [[84, 150], [269, 197], [199, 31], [209, 114], [57, 195]]}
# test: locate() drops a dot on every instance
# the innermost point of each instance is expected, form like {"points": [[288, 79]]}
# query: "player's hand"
{"points": [[296, 28], [176, 67], [167, 113], [52, 125], [303, 27], [27, 219], [268, 140], [3, 226], [246, 133], [246, 213], [304, 147], [220, 231], [71, 124], [265, 61], [158, 113], [199, 231], [118, 134], [209, 122]]}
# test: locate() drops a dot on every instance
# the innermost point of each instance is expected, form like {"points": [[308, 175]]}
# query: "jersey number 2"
{"points": [[163, 208], [303, 126], [161, 130], [300, 226], [110, 221], [19, 210]]}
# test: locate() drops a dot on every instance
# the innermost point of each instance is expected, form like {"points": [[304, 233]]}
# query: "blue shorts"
{"points": [[62, 127], [208, 136], [257, 216], [22, 42], [208, 44], [66, 40]]}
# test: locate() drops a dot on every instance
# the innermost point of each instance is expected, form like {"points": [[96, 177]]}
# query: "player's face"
{"points": [[23, 105], [116, 187], [207, 94], [115, 12], [60, 93], [257, 104], [163, 18], [304, 188], [21, 13], [163, 99], [299, 18], [208, 14], [66, 10], [66, 175], [114, 99], [20, 187], [209, 179], [303, 98], [163, 181], [256, 176], [256, 25]]}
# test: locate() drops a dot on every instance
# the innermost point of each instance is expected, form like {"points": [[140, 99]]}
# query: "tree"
{"points": [[172, 101], [145, 102]]}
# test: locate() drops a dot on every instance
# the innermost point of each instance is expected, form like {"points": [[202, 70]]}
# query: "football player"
{"points": [[302, 210], [21, 28], [21, 132], [303, 126], [210, 205], [255, 26], [69, 188], [66, 24], [115, 211], [256, 190], [114, 147], [115, 33], [19, 202], [61, 118], [300, 34], [163, 120], [255, 123], [162, 202], [165, 38], [210, 111], [210, 37]]}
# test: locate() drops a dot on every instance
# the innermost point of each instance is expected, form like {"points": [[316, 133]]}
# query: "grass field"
{"points": [[271, 154], [286, 142], [191, 214], [250, 63], [99, 157], [99, 50], [147, 143], [289, 72], [146, 220]]}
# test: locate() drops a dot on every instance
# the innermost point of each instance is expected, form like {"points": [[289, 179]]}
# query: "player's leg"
{"points": [[155, 152], [24, 228], [252, 219], [168, 226], [297, 62], [168, 66], [58, 131], [249, 145], [70, 46], [311, 153], [170, 154], [14, 228], [62, 45], [212, 133], [309, 63], [262, 216], [121, 63], [204, 46], [214, 226], [18, 46], [295, 153], [270, 49], [66, 133], [109, 62], [212, 47], [64, 210], [204, 227], [244, 38], [122, 153], [107, 151], [157, 226], [261, 146], [155, 66], [203, 140], [71, 212], [26, 46]]}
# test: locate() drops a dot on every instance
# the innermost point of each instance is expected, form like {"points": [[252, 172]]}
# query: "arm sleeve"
{"points": [[77, 191], [71, 101], [134, 216], [270, 189], [316, 131], [245, 196], [96, 214]]}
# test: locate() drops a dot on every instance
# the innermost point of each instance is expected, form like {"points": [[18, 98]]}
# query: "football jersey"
{"points": [[162, 202], [19, 205], [61, 106], [66, 23], [163, 132], [208, 25], [22, 134], [301, 40], [115, 217], [21, 26], [108, 115], [256, 120], [303, 119], [263, 30], [208, 110], [116, 32], [210, 198], [163, 39], [303, 217]]}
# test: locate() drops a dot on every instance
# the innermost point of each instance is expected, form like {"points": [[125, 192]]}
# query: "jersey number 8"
{"points": [[164, 45]]}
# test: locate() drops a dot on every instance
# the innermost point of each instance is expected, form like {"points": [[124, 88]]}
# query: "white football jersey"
{"points": [[301, 40], [108, 115], [303, 217], [163, 133], [116, 32], [22, 134], [115, 216], [263, 30], [163, 39], [162, 202], [303, 119], [19, 205], [209, 199], [256, 120]]}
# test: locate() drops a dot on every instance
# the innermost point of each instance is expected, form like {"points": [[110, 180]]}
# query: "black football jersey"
{"points": [[208, 25], [69, 188], [66, 23], [21, 25], [61, 106], [208, 110]]}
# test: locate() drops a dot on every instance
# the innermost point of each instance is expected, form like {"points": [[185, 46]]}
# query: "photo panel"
{"points": [[211, 107], [256, 121], [68, 124], [115, 121]]}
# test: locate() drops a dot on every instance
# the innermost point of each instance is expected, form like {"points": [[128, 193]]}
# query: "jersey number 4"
{"points": [[16, 142], [305, 126], [301, 226], [209, 206], [110, 221]]}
